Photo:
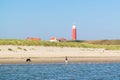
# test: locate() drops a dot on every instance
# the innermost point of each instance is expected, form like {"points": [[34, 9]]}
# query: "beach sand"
{"points": [[38, 54]]}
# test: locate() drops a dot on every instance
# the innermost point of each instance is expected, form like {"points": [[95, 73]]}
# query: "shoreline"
{"points": [[40, 60]]}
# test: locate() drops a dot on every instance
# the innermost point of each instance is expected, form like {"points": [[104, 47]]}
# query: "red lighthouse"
{"points": [[73, 32]]}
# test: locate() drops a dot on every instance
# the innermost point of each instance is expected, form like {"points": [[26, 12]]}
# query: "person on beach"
{"points": [[28, 60], [66, 59]]}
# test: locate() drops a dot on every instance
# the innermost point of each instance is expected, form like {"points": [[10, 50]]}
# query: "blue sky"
{"points": [[94, 19]]}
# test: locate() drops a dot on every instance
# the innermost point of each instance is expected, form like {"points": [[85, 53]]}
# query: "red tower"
{"points": [[74, 32]]}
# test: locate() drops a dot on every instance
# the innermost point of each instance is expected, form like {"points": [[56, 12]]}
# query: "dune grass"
{"points": [[10, 49], [78, 44], [104, 42]]}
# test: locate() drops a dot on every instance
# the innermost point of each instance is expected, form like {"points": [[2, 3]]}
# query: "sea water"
{"points": [[73, 71]]}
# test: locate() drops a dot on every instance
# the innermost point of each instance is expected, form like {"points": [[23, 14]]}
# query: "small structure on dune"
{"points": [[53, 39], [33, 39], [62, 39]]}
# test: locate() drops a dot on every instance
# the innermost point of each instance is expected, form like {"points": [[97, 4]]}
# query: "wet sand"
{"points": [[39, 54], [59, 60]]}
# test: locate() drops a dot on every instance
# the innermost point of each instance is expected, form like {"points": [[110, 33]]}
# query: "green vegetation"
{"points": [[32, 49], [19, 48], [106, 44], [10, 49], [25, 49]]}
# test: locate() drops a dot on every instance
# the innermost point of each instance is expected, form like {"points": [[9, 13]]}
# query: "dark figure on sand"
{"points": [[66, 59], [28, 60]]}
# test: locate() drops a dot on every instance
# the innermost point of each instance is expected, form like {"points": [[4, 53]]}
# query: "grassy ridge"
{"points": [[83, 44], [104, 42]]}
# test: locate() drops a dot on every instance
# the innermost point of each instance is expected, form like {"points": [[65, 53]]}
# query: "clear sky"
{"points": [[94, 19]]}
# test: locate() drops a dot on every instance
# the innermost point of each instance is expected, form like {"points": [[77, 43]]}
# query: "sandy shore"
{"points": [[38, 54]]}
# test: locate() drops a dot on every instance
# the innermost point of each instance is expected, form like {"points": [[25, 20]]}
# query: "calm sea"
{"points": [[79, 71]]}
